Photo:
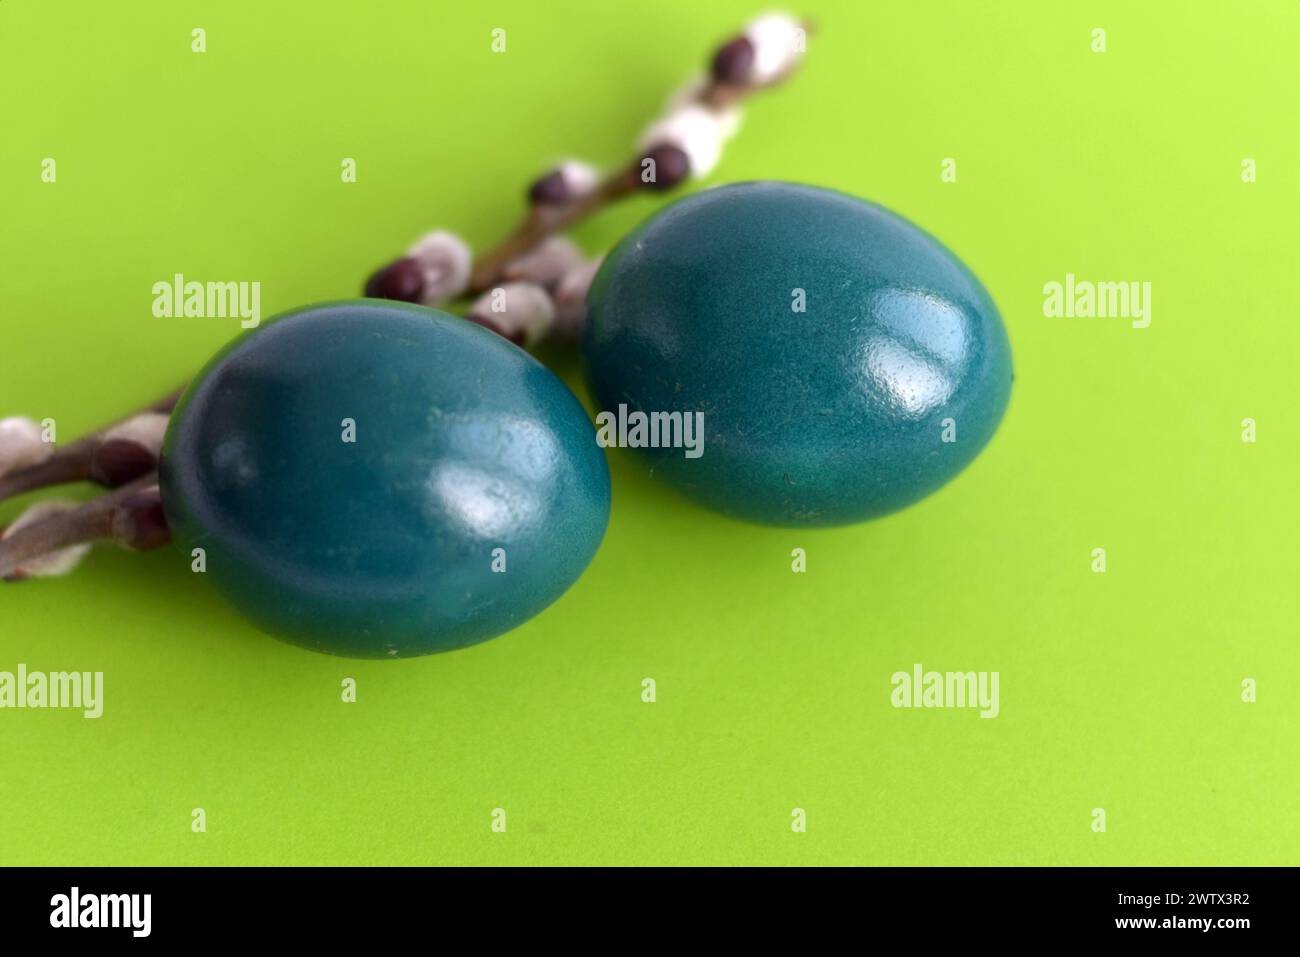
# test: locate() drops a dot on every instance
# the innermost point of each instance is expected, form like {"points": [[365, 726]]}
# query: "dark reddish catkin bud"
{"points": [[671, 166], [118, 461], [401, 279], [733, 61], [139, 522], [550, 190]]}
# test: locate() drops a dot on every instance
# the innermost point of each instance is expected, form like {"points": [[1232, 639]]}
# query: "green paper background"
{"points": [[1119, 690]]}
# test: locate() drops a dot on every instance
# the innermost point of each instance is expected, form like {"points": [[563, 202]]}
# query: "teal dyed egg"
{"points": [[841, 362], [381, 480]]}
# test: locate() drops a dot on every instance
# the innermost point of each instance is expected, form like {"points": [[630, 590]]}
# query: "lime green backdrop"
{"points": [[1120, 690]]}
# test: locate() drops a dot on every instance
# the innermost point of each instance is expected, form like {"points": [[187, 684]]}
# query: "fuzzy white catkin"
{"points": [[146, 429], [524, 308], [696, 131], [580, 179], [773, 37], [571, 299], [689, 95], [445, 262], [21, 445], [547, 263], [53, 563]]}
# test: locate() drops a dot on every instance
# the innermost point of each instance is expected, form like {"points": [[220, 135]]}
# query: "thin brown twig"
{"points": [[544, 221]]}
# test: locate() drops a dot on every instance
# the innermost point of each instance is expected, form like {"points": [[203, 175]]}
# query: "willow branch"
{"points": [[76, 461], [131, 516]]}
